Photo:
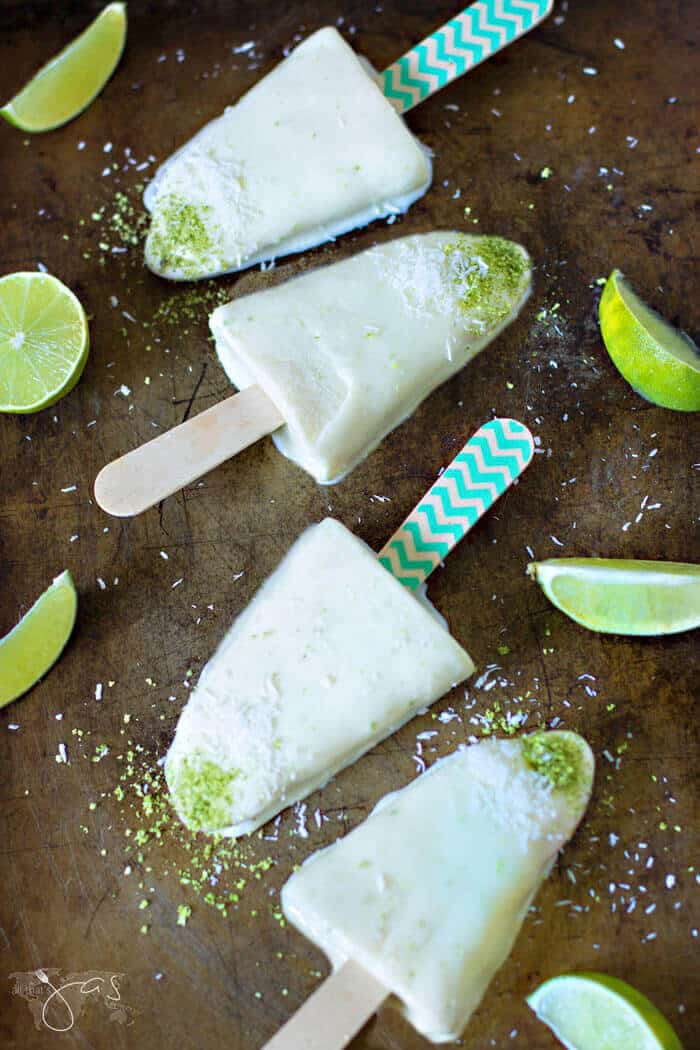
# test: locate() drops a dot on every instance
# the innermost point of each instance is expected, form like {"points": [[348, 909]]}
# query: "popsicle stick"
{"points": [[476, 34], [334, 1013], [487, 465], [148, 474]]}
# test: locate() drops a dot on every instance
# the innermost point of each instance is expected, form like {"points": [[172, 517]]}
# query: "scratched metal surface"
{"points": [[607, 459]]}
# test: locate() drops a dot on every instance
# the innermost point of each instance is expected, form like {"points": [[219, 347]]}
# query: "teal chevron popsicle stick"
{"points": [[488, 464], [481, 30]]}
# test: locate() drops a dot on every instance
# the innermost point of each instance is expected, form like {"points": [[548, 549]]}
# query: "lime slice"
{"points": [[67, 84], [36, 643], [591, 1011], [44, 341], [659, 362], [622, 597]]}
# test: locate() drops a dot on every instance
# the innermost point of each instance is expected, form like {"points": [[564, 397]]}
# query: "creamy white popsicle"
{"points": [[429, 893], [313, 150], [331, 656], [346, 352]]}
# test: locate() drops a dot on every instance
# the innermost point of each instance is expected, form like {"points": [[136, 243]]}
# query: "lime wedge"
{"points": [[44, 341], [591, 1011], [36, 643], [67, 84], [659, 362], [622, 597]]}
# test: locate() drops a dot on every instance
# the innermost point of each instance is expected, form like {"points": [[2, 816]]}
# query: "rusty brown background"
{"points": [[615, 476]]}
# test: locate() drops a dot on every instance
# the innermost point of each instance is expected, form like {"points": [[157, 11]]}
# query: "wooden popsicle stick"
{"points": [[148, 474], [334, 1013], [488, 464], [477, 33]]}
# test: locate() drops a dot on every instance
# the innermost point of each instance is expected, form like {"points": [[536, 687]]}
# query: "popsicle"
{"points": [[347, 352], [337, 650], [314, 149], [424, 900], [333, 360], [331, 656]]}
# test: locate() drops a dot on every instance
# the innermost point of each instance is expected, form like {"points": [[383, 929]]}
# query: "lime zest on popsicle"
{"points": [[204, 792], [491, 273], [556, 757], [181, 237]]}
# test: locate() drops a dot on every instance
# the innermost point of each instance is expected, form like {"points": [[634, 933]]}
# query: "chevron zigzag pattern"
{"points": [[478, 32], [490, 461]]}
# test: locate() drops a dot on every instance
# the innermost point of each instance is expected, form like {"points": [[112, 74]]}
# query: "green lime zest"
{"points": [[491, 274], [203, 792], [180, 238], [556, 757]]}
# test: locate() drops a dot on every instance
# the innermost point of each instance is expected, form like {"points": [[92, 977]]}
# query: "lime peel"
{"points": [[593, 1011], [617, 596], [73, 78], [35, 644], [661, 363]]}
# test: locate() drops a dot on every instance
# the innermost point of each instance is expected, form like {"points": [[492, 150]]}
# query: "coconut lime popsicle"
{"points": [[330, 657], [311, 151], [347, 352], [331, 361], [338, 649], [424, 900], [315, 149]]}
